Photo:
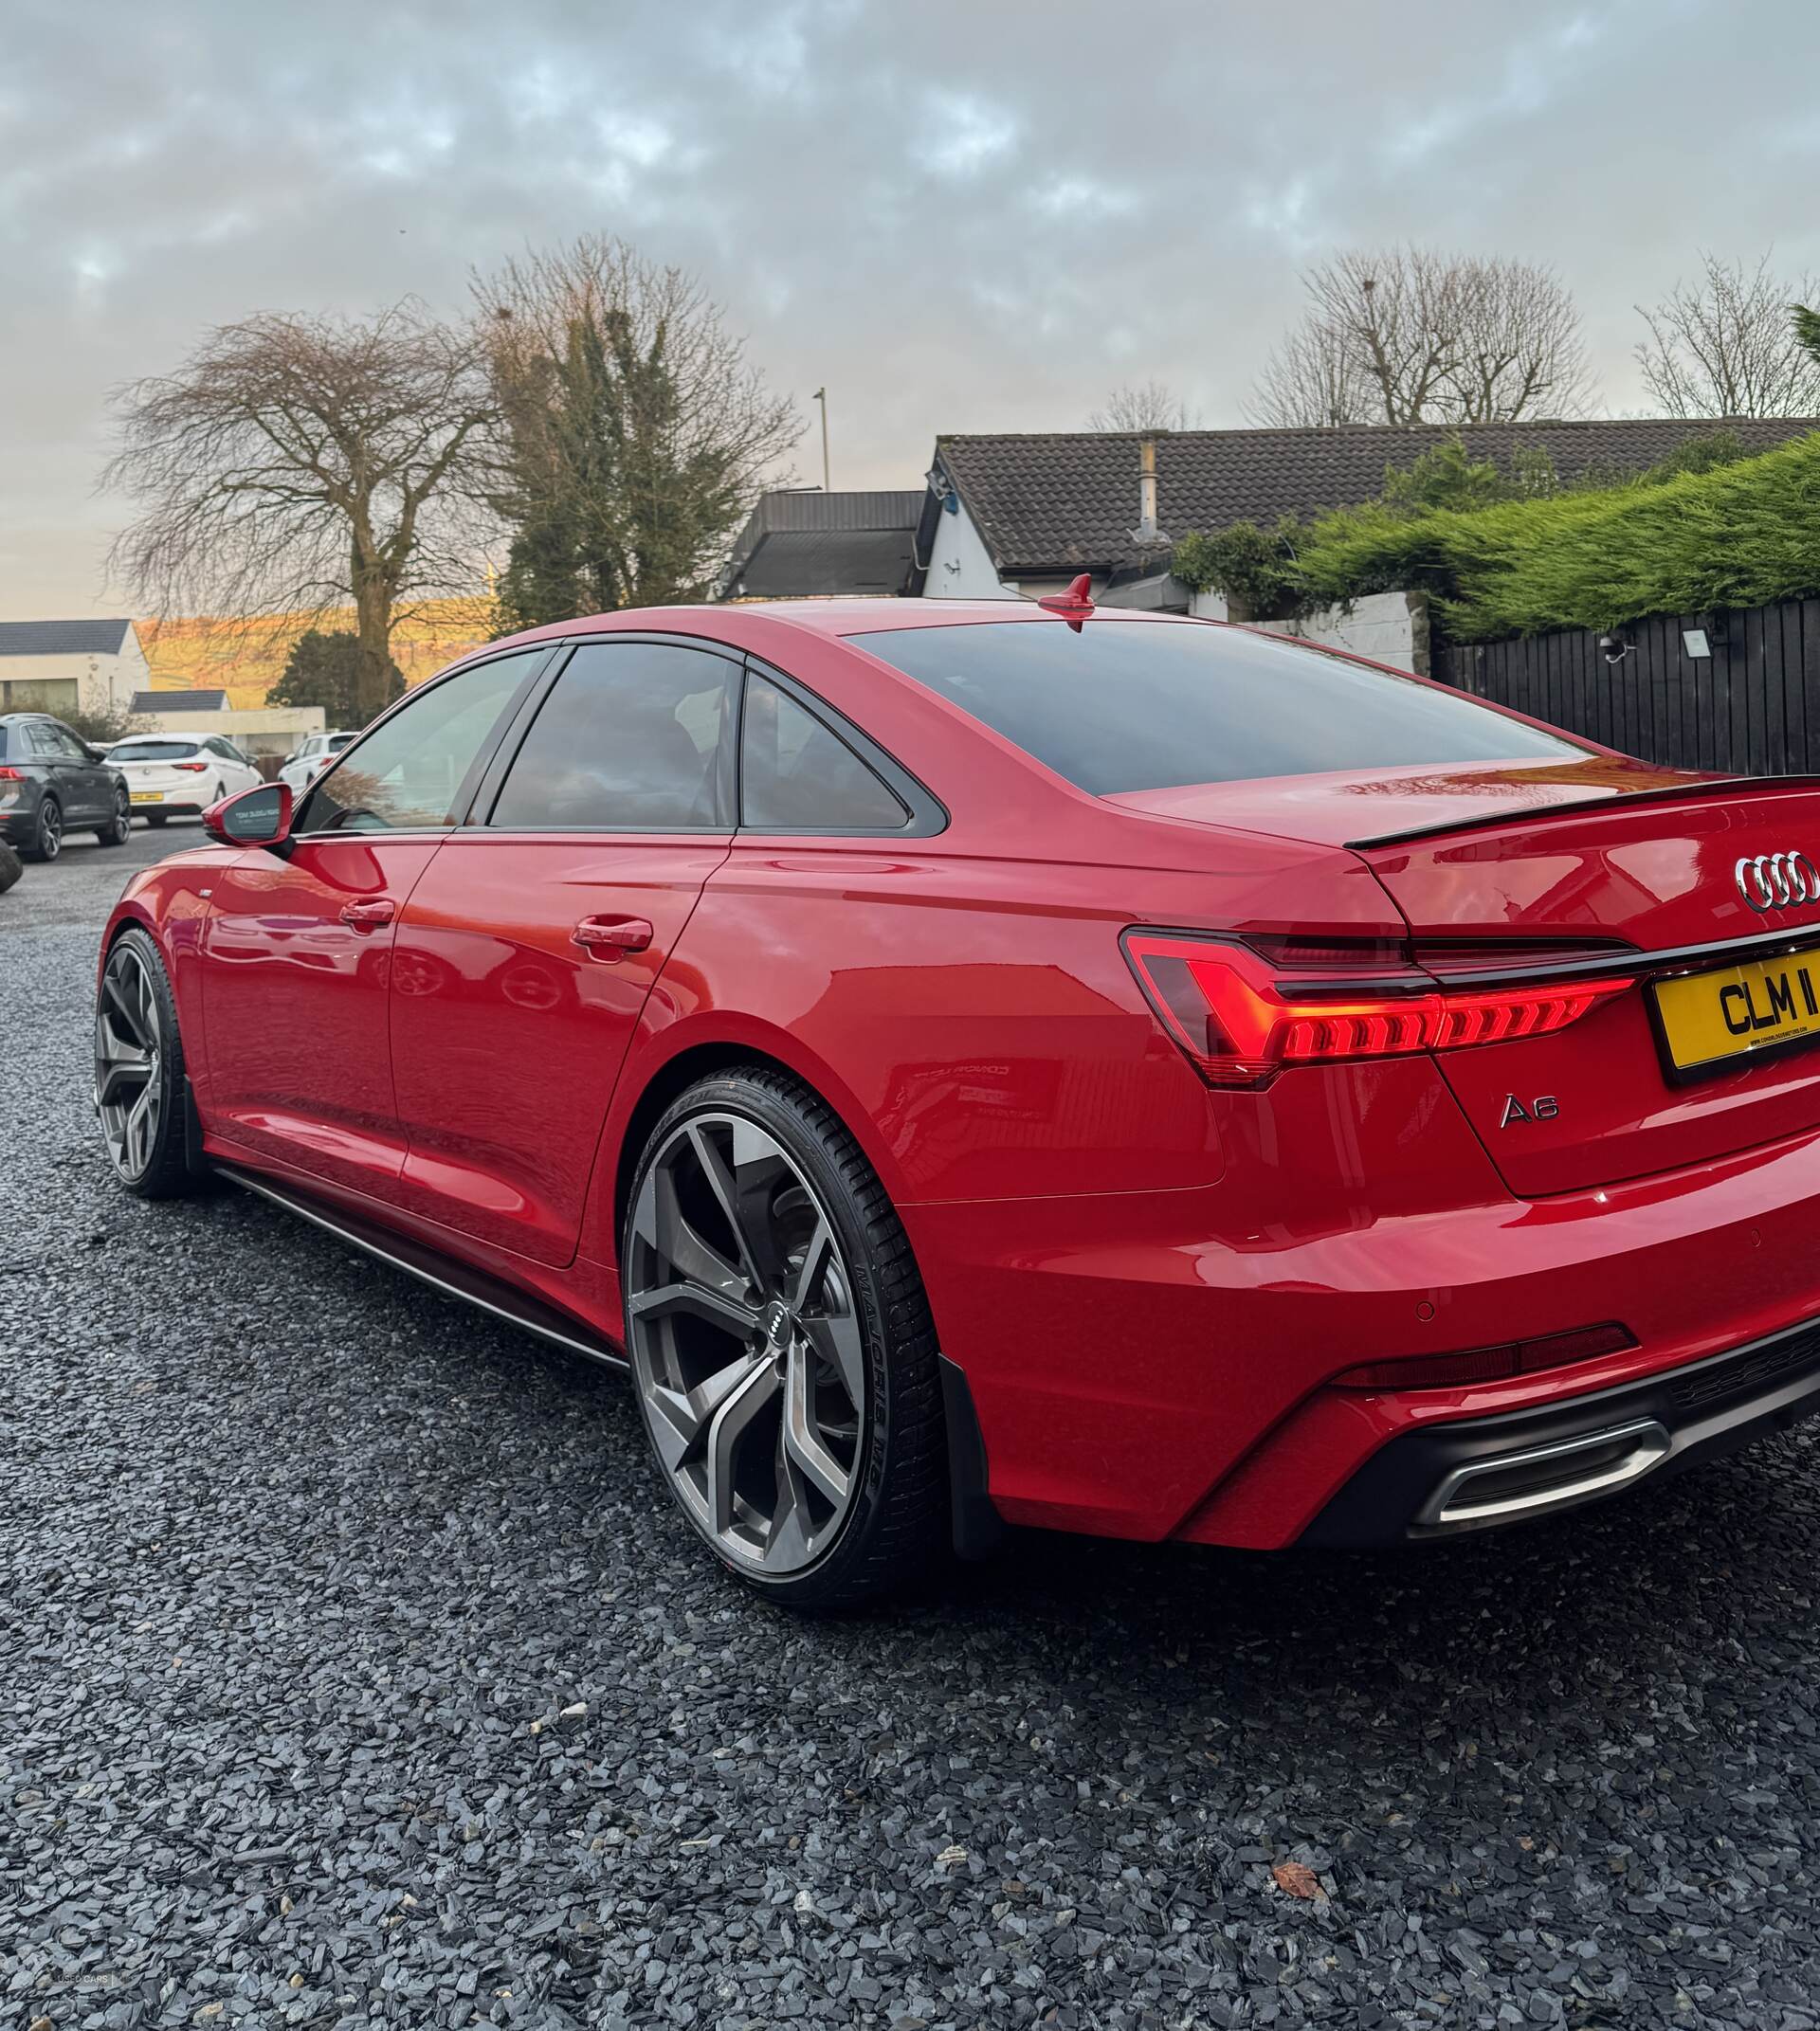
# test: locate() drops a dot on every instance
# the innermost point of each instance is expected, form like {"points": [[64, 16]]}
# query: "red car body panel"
{"points": [[1150, 1286], [507, 1037]]}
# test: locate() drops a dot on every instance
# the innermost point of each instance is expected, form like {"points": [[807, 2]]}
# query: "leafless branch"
{"points": [[296, 464], [1407, 336], [1150, 405], [1725, 344]]}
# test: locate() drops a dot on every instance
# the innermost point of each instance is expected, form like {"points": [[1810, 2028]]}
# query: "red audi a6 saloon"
{"points": [[1004, 1063]]}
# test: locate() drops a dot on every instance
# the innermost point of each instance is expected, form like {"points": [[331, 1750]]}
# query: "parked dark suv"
{"points": [[51, 783]]}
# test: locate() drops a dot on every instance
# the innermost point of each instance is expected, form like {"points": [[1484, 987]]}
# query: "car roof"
{"points": [[824, 617]]}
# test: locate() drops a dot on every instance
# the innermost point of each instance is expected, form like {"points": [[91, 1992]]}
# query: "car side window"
{"points": [[408, 773], [799, 775], [629, 740]]}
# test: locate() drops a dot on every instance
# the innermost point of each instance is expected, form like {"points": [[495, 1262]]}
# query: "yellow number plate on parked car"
{"points": [[1708, 1017], [148, 796]]}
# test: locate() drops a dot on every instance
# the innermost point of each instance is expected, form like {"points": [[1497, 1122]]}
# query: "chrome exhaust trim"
{"points": [[1504, 1486]]}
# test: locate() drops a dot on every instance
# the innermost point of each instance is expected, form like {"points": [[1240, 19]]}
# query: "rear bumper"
{"points": [[1485, 1472], [1160, 1365]]}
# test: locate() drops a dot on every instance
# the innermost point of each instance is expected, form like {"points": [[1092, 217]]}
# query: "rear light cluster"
{"points": [[190, 768], [1487, 1364], [1244, 1012]]}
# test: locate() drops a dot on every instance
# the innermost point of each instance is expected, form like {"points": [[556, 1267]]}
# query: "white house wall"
{"points": [[960, 567], [1381, 626], [100, 682]]}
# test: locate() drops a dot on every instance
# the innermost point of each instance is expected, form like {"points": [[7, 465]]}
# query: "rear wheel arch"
{"points": [[698, 1060]]}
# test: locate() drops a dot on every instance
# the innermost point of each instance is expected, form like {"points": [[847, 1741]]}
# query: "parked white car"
{"points": [[317, 752], [170, 777]]}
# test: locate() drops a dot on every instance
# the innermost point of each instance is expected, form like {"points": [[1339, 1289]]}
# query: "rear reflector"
{"points": [[1240, 1021], [1487, 1364]]}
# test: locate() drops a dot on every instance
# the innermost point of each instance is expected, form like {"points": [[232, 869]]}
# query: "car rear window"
{"points": [[153, 750], [1131, 705]]}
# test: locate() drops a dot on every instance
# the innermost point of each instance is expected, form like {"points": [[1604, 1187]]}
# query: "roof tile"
{"points": [[1069, 500]]}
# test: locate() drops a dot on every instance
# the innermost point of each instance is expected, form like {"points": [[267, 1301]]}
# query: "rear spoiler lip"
{"points": [[1542, 814]]}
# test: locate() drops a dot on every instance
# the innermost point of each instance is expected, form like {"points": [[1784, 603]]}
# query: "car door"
{"points": [[232, 771], [525, 955], [84, 788], [299, 940]]}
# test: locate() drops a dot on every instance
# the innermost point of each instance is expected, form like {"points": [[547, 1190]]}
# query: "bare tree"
{"points": [[301, 463], [1726, 345], [636, 434], [1408, 336], [1311, 379], [1152, 405]]}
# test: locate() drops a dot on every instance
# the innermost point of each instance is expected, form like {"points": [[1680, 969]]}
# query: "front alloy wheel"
{"points": [[781, 1345], [138, 1071]]}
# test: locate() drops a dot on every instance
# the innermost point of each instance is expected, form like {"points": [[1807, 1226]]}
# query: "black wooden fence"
{"points": [[1752, 706]]}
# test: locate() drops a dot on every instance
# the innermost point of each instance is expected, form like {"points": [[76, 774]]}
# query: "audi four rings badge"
{"points": [[1774, 881]]}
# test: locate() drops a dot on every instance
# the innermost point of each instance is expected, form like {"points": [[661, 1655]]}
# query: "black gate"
{"points": [[1751, 707]]}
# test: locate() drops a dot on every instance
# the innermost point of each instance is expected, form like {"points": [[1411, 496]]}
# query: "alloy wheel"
{"points": [[129, 1091], [746, 1343], [50, 829]]}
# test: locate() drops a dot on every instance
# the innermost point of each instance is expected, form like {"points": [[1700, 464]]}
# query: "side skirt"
{"points": [[441, 1272]]}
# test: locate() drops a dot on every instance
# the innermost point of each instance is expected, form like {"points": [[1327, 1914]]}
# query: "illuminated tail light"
{"points": [[1240, 1019], [13, 776], [1487, 1364], [190, 768]]}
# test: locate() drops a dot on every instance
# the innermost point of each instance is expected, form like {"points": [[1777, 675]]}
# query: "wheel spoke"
{"points": [[682, 1416], [728, 1425], [720, 1181], [116, 993], [662, 1223], [140, 1123], [733, 1313], [788, 1543], [120, 1067], [810, 1271], [836, 1337], [802, 1441]]}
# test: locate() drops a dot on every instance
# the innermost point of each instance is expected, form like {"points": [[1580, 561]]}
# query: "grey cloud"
{"points": [[957, 216]]}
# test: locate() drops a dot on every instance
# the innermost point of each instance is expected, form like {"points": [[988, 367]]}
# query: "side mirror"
{"points": [[259, 817]]}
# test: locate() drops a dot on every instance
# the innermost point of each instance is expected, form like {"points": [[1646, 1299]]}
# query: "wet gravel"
{"points": [[352, 1672]]}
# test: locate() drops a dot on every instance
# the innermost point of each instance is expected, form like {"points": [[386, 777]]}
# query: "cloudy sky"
{"points": [[965, 216]]}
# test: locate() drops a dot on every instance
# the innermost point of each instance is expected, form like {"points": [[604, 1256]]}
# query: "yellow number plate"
{"points": [[148, 796], [1708, 1017]]}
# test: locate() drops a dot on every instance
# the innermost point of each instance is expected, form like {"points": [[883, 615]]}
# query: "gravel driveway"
{"points": [[353, 1671]]}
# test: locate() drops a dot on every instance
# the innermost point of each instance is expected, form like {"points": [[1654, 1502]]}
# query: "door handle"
{"points": [[369, 916], [612, 937]]}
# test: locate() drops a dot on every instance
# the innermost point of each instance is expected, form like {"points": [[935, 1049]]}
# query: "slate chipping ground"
{"points": [[352, 1672]]}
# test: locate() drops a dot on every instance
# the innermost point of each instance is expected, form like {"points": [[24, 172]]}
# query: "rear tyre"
{"points": [[120, 828], [48, 835], [782, 1348], [138, 1071]]}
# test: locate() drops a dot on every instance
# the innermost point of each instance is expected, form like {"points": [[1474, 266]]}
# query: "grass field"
{"points": [[246, 658]]}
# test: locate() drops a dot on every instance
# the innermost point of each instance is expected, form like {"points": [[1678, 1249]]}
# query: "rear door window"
{"points": [[630, 740], [1133, 705]]}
